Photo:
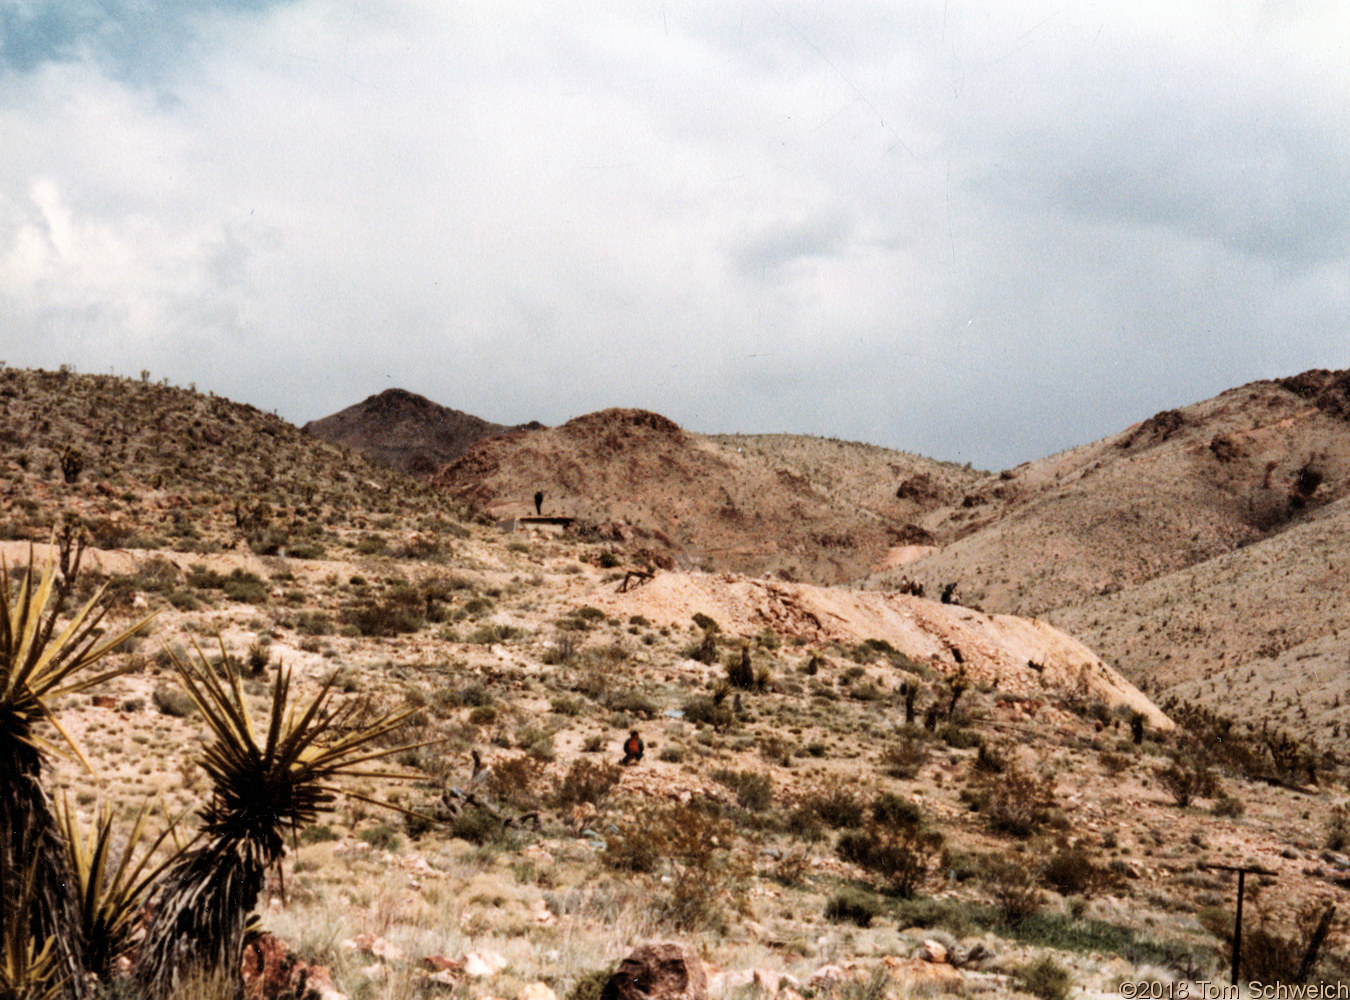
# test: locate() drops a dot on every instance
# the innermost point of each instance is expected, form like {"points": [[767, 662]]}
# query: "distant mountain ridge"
{"points": [[401, 430]]}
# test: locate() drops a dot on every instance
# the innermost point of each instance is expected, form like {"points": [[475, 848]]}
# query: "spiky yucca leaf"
{"points": [[110, 895], [265, 781], [39, 661], [29, 969]]}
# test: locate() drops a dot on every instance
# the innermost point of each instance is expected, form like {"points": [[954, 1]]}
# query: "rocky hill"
{"points": [[1203, 544], [401, 430], [799, 508]]}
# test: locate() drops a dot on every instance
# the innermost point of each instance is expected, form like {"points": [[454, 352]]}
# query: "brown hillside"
{"points": [[1176, 490], [402, 430], [1200, 550], [801, 508]]}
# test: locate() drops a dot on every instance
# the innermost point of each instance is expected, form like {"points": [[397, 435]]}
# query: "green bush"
{"points": [[1044, 978], [587, 781], [838, 809], [854, 906], [1338, 827], [753, 791], [1072, 872], [317, 833], [382, 837], [477, 826], [702, 710], [173, 702], [902, 856]]}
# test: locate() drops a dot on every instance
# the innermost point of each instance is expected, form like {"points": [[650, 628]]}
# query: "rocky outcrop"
{"points": [[658, 972]]}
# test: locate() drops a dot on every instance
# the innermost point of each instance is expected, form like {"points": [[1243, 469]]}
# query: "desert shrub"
{"points": [[1338, 827], [515, 780], [1016, 802], [753, 791], [805, 823], [472, 695], [1114, 763], [587, 781], [706, 623], [692, 852], [483, 715], [477, 826], [901, 853], [1186, 779], [589, 985], [854, 906], [703, 710], [630, 702], [889, 809], [240, 585], [382, 837], [393, 615], [1072, 872], [962, 866], [317, 833], [1013, 889], [1229, 806], [476, 607], [906, 756], [959, 737], [174, 702], [1044, 978], [671, 755], [564, 705], [838, 809]]}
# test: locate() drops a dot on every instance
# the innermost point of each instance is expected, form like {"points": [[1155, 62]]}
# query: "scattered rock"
{"points": [[658, 972], [536, 991], [827, 974], [916, 970], [935, 952], [271, 971], [480, 964], [371, 944], [439, 963]]}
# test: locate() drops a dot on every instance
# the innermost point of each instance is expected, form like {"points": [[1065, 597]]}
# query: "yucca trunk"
{"points": [[199, 916], [29, 834]]}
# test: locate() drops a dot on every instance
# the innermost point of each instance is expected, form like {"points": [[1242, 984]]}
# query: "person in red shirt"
{"points": [[633, 748]]}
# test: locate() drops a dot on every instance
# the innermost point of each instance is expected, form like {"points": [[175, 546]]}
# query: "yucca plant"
{"points": [[262, 787], [110, 895], [29, 970], [40, 662]]}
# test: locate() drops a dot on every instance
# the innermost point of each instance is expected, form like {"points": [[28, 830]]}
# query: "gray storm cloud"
{"points": [[981, 231]]}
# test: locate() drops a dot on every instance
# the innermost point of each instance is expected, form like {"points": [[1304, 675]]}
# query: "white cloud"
{"points": [[966, 229]]}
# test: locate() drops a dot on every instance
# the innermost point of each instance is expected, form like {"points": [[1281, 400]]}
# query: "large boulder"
{"points": [[658, 972]]}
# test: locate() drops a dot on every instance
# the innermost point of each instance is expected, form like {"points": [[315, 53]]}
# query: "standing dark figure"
{"points": [[539, 502], [633, 748]]}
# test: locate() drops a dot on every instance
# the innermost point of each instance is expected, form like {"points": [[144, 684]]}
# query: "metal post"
{"points": [[1242, 871]]}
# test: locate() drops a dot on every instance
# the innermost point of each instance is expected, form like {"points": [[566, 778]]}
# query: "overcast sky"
{"points": [[979, 231]]}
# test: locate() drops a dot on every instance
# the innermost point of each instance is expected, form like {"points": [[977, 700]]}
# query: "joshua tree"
{"points": [[38, 664], [262, 787]]}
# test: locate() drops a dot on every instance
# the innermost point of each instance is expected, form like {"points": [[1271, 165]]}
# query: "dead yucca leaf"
{"points": [[266, 780]]}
